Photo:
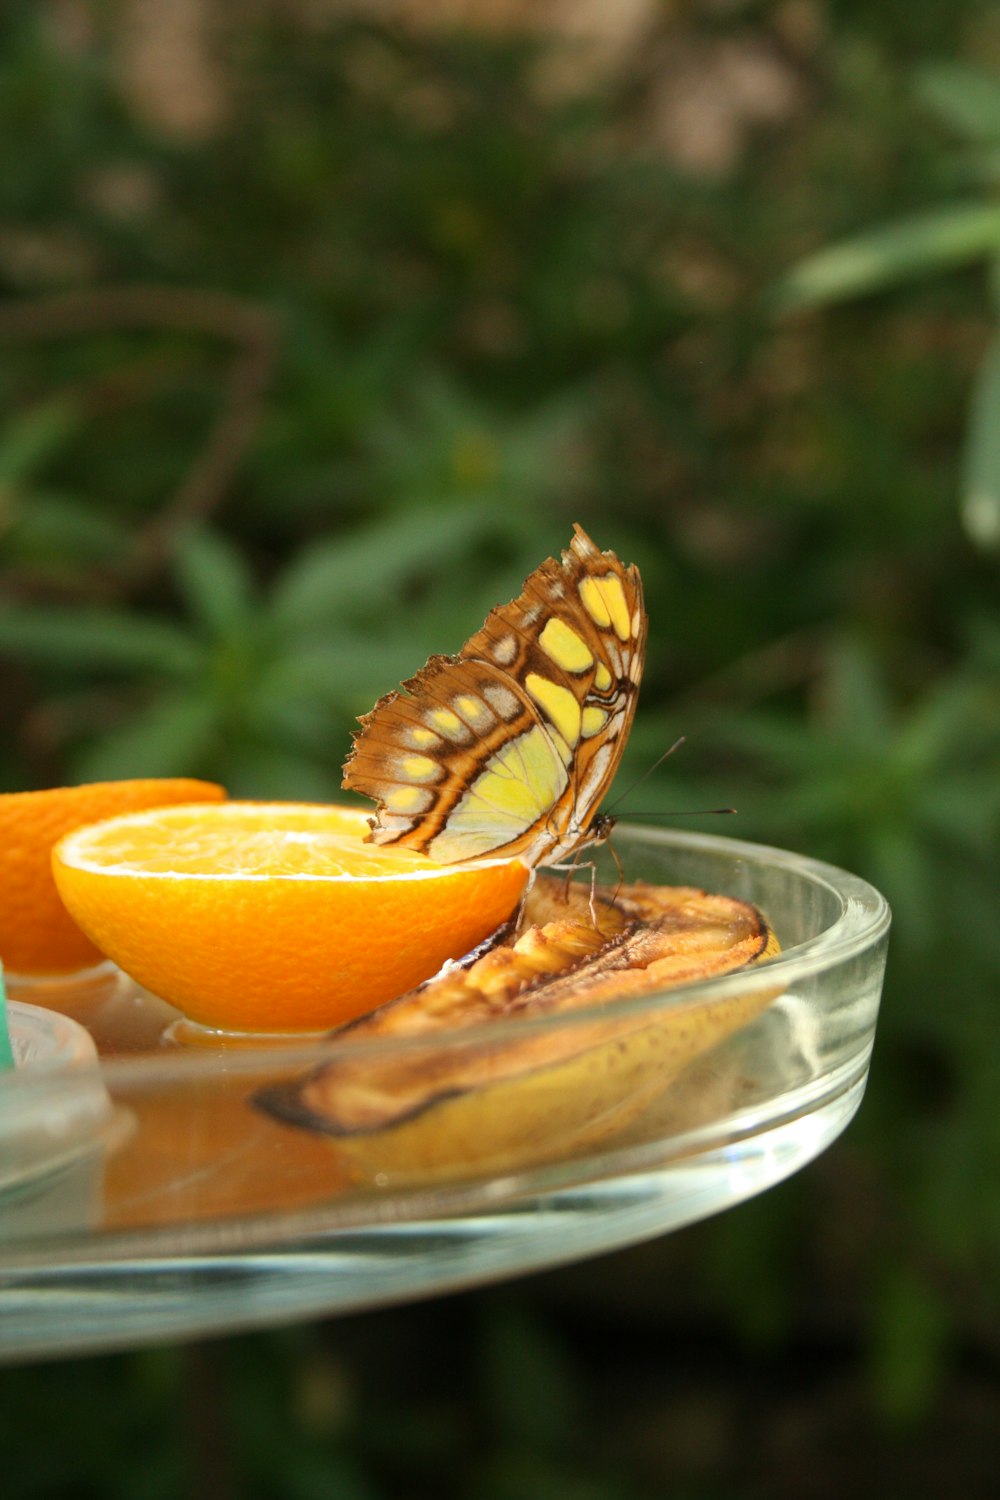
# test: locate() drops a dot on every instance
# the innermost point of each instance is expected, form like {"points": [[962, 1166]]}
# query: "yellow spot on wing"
{"points": [[446, 721], [408, 799], [558, 702], [423, 739], [605, 602], [564, 646], [420, 767], [473, 709], [593, 602], [594, 720], [602, 678]]}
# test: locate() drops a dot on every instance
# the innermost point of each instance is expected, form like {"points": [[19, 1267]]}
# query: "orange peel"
{"points": [[274, 916], [37, 935]]}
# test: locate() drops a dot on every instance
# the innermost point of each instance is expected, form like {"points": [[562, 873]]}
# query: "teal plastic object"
{"points": [[6, 1050]]}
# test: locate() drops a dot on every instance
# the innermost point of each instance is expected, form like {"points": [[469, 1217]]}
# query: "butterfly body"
{"points": [[508, 747]]}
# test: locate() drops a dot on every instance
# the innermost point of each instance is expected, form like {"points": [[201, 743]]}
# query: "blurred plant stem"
{"points": [[211, 1471], [249, 328]]}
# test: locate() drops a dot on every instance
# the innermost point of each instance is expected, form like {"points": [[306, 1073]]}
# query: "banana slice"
{"points": [[430, 1101]]}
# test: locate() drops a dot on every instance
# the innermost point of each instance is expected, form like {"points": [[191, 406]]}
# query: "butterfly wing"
{"points": [[508, 747]]}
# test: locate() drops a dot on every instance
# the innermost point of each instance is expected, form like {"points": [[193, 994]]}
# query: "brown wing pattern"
{"points": [[508, 747]]}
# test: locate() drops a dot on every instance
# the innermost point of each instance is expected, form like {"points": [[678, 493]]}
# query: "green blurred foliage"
{"points": [[287, 407], [967, 100]]}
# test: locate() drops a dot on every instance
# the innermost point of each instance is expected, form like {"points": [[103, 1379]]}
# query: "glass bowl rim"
{"points": [[861, 923]]}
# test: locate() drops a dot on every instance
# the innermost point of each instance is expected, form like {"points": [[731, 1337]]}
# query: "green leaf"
{"points": [[964, 809], [96, 638], [329, 582], [59, 531], [174, 736], [530, 1384], [305, 725], [898, 864], [215, 582], [967, 99], [30, 438], [854, 698], [777, 740], [909, 1340], [927, 242], [980, 503], [352, 671], [252, 769], [951, 722], [984, 639]]}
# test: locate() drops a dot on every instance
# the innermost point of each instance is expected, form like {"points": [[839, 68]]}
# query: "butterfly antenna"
{"points": [[691, 812], [621, 877], [646, 774]]}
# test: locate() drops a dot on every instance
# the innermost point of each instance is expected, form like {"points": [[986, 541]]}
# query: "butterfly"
{"points": [[508, 747]]}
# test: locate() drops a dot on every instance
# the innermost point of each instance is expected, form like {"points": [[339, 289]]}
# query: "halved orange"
{"points": [[274, 916], [37, 935]]}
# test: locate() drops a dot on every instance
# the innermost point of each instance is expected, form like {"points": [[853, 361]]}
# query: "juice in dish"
{"points": [[207, 1212], [512, 1063]]}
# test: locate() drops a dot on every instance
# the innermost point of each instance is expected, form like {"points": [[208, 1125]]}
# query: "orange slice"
{"points": [[257, 916], [37, 935]]}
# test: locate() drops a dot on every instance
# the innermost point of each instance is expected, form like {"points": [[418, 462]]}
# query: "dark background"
{"points": [[320, 325]]}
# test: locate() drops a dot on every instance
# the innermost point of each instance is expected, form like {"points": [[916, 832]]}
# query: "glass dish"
{"points": [[62, 1117], [206, 1210]]}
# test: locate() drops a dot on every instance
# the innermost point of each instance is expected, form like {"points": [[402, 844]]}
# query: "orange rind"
{"points": [[273, 916], [37, 935]]}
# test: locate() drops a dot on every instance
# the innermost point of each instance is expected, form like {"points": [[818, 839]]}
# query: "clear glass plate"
{"points": [[197, 1208]]}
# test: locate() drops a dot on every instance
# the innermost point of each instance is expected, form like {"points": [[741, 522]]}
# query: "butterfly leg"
{"points": [[593, 880], [593, 892], [588, 864], [571, 866], [591, 864], [620, 868]]}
